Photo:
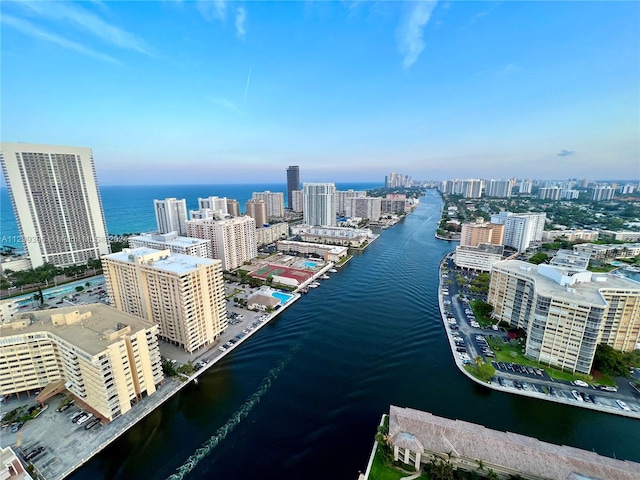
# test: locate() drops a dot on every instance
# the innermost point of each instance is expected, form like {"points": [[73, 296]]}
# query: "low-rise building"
{"points": [[417, 437], [330, 253], [272, 233], [570, 235], [196, 247], [107, 359], [347, 237], [479, 258], [608, 251]]}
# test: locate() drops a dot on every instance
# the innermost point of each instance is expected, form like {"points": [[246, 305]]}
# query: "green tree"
{"points": [[610, 361], [538, 258]]}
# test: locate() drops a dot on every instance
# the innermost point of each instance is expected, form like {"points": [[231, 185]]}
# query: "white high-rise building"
{"points": [[274, 202], [525, 186], [171, 215], [214, 203], [56, 202], [319, 204], [196, 247], [183, 295], [364, 207], [520, 229], [233, 240], [497, 188]]}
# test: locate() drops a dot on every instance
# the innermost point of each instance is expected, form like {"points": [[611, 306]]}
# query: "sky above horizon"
{"points": [[234, 92]]}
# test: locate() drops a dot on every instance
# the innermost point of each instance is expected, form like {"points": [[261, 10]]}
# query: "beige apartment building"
{"points": [[566, 312], [107, 359], [473, 234], [181, 294], [257, 209], [233, 240]]}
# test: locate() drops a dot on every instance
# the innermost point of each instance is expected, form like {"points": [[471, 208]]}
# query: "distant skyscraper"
{"points": [[171, 215], [293, 183], [56, 202], [319, 204], [498, 188]]}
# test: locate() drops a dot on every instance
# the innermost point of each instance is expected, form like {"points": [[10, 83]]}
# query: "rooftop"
{"points": [[171, 239], [527, 455], [91, 328], [162, 260], [587, 292]]}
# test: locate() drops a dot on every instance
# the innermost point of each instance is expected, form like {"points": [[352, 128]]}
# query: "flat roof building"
{"points": [[293, 183], [171, 215], [475, 233], [479, 258], [196, 247], [319, 204], [106, 358], [233, 240], [565, 312], [183, 295], [56, 202]]}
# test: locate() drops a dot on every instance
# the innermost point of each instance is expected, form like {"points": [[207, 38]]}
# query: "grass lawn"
{"points": [[380, 471]]}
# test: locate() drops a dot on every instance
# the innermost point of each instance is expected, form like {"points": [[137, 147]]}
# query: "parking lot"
{"points": [[469, 340]]}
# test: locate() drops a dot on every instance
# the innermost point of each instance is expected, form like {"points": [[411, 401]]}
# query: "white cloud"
{"points": [[410, 40], [89, 22], [30, 29], [212, 9], [241, 18]]}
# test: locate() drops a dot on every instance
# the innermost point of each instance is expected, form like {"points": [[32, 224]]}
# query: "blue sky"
{"points": [[233, 92]]}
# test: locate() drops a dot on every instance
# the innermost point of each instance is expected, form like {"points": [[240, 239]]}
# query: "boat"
{"points": [[314, 285], [333, 270], [633, 269], [325, 277]]}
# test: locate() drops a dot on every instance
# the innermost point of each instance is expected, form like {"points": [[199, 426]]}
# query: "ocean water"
{"points": [[129, 209]]}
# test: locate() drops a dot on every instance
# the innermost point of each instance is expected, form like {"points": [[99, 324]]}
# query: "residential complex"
{"points": [[171, 215], [343, 197], [348, 237], [196, 247], [393, 204], [480, 257], [497, 188], [297, 201], [416, 437], [107, 359], [233, 240], [602, 193], [257, 209], [183, 295], [569, 235], [56, 201], [274, 202], [521, 230], [364, 207], [329, 253], [565, 312], [473, 234], [293, 183], [272, 233], [319, 204], [395, 180]]}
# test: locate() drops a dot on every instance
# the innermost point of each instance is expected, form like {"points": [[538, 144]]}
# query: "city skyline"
{"points": [[222, 90]]}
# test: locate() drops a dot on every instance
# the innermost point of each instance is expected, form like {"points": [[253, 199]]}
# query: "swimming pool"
{"points": [[310, 264], [283, 297], [61, 290]]}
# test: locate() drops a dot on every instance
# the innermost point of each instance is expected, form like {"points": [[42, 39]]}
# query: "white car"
{"points": [[623, 405]]}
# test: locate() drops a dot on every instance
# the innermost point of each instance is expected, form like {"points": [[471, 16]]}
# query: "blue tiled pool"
{"points": [[310, 264], [283, 297]]}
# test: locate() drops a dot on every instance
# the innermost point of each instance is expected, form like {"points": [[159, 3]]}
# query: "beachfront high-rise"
{"points": [[565, 312], [233, 240], [171, 215], [293, 183], [56, 201], [520, 229], [274, 202], [183, 295], [257, 210], [319, 204], [107, 359]]}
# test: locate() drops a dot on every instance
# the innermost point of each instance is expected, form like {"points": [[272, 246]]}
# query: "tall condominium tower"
{"points": [[183, 295], [214, 203], [233, 240], [293, 183], [319, 204], [257, 209], [56, 202], [171, 215], [520, 229], [473, 234], [274, 202]]}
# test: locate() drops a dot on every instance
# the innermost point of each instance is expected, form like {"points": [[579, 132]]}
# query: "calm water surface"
{"points": [[302, 398]]}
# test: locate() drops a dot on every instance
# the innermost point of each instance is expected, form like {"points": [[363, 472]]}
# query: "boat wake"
{"points": [[235, 419]]}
